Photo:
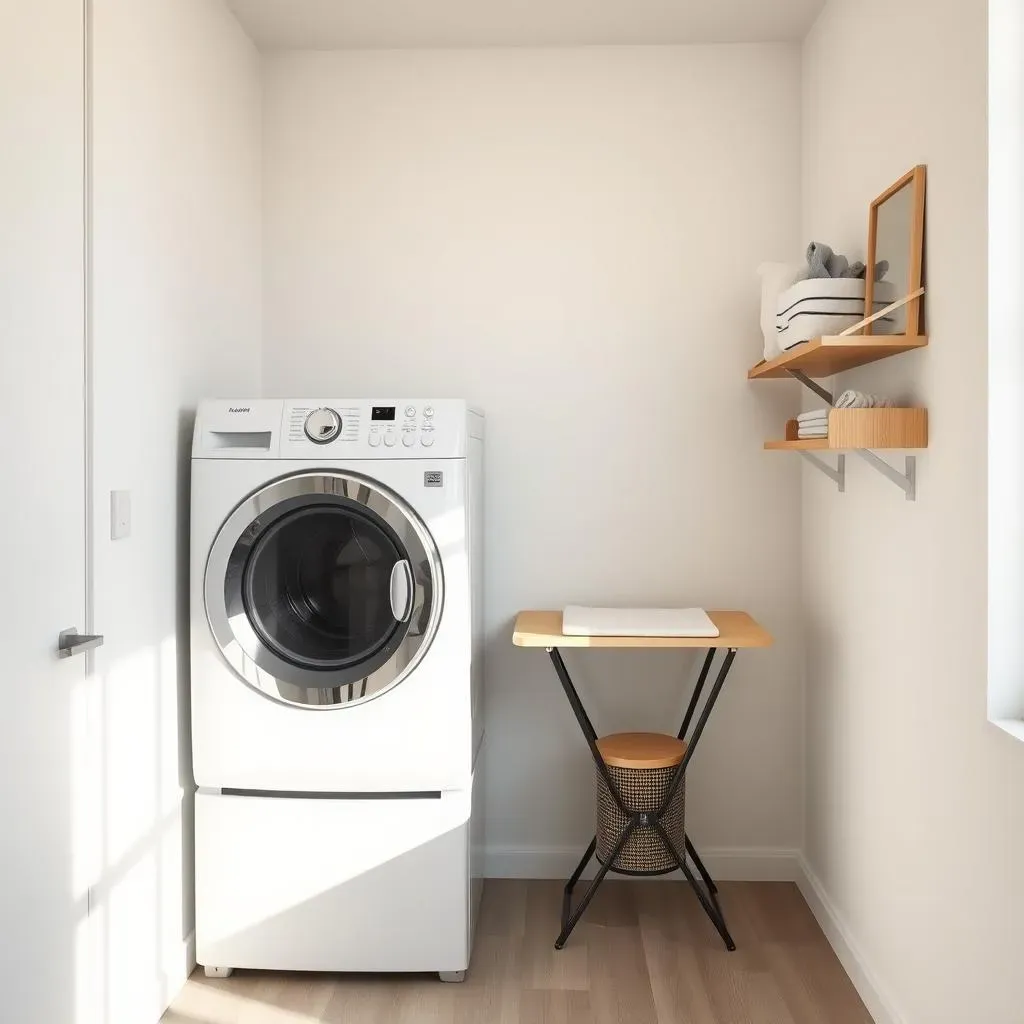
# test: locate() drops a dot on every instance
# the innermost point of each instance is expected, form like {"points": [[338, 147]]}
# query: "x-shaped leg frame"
{"points": [[705, 888]]}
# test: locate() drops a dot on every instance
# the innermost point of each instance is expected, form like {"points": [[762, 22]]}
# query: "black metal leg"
{"points": [[598, 879], [711, 908], [704, 873], [710, 901], [571, 884], [586, 725], [698, 729], [709, 904], [574, 698], [697, 690]]}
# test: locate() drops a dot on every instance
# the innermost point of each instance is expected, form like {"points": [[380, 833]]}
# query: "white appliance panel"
{"points": [[415, 736], [333, 885]]}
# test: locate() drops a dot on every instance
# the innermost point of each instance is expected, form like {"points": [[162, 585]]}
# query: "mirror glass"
{"points": [[893, 244]]}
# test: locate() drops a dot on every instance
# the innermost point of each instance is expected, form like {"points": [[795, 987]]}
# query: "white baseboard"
{"points": [[739, 864], [189, 950], [174, 982], [876, 996]]}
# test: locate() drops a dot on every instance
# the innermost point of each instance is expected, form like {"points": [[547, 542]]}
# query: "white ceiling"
{"points": [[335, 24]]}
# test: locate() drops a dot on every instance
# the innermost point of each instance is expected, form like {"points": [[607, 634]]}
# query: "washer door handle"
{"points": [[401, 590]]}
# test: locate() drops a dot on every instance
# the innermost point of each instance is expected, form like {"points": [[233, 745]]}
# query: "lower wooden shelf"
{"points": [[850, 429]]}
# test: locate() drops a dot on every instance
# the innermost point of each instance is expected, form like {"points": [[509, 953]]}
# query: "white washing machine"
{"points": [[337, 648]]}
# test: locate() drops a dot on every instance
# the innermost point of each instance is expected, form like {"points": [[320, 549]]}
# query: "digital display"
{"points": [[383, 412]]}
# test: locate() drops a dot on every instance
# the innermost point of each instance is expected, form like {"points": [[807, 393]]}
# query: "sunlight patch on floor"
{"points": [[203, 1004]]}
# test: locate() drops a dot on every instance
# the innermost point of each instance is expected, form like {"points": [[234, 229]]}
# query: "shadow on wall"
{"points": [[132, 814]]}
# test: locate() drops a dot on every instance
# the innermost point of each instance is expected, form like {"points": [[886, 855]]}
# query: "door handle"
{"points": [[71, 642], [401, 591]]}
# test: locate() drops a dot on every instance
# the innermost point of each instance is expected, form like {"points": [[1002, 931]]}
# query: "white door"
{"points": [[42, 511]]}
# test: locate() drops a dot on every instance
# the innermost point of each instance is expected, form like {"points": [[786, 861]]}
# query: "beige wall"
{"points": [[568, 238], [915, 822], [176, 299]]}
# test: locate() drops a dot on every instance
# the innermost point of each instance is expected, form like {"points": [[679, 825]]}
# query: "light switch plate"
{"points": [[120, 514]]}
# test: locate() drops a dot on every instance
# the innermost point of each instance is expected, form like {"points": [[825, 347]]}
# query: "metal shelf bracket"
{"points": [[837, 475], [906, 481], [813, 385]]}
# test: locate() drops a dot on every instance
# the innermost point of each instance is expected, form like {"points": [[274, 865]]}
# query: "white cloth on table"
{"points": [[804, 433], [578, 620]]}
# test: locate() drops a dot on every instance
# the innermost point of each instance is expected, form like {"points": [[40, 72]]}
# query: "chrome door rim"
{"points": [[243, 649]]}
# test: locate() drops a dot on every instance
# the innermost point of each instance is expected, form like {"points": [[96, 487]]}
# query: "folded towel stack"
{"points": [[815, 423], [812, 424], [859, 400]]}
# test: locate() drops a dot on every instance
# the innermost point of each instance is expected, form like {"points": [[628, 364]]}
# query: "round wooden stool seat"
{"points": [[638, 750]]}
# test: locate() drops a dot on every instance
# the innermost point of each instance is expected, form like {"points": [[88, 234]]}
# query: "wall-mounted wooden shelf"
{"points": [[823, 357], [860, 430], [851, 429]]}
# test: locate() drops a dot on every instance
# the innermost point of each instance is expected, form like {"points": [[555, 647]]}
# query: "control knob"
{"points": [[323, 426]]}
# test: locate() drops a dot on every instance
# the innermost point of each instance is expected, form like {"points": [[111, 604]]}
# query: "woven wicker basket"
{"points": [[641, 789]]}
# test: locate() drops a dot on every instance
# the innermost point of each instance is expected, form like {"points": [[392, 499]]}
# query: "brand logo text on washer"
{"points": [[240, 408]]}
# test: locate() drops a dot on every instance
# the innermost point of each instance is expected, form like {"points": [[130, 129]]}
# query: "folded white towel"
{"points": [[817, 421], [814, 414], [860, 400], [807, 432]]}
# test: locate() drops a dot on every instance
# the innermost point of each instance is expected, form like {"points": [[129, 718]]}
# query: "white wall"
{"points": [[1006, 363], [568, 238], [915, 823], [177, 316]]}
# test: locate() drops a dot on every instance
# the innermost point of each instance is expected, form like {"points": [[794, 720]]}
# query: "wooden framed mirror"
{"points": [[896, 236]]}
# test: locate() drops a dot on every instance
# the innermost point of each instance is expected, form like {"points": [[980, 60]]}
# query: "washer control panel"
{"points": [[389, 428], [321, 422], [411, 424]]}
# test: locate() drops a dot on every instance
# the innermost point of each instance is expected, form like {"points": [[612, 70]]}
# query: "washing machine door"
{"points": [[323, 589]]}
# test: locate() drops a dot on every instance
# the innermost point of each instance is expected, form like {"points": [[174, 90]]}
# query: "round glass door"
{"points": [[323, 589]]}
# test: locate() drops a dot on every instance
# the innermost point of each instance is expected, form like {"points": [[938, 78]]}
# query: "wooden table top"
{"points": [[544, 629]]}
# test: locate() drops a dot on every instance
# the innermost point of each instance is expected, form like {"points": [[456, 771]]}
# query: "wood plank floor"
{"points": [[643, 954]]}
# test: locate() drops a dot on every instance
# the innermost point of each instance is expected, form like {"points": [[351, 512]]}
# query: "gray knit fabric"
{"points": [[823, 262]]}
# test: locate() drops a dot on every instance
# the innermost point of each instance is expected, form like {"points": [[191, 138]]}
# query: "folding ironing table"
{"points": [[736, 630]]}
